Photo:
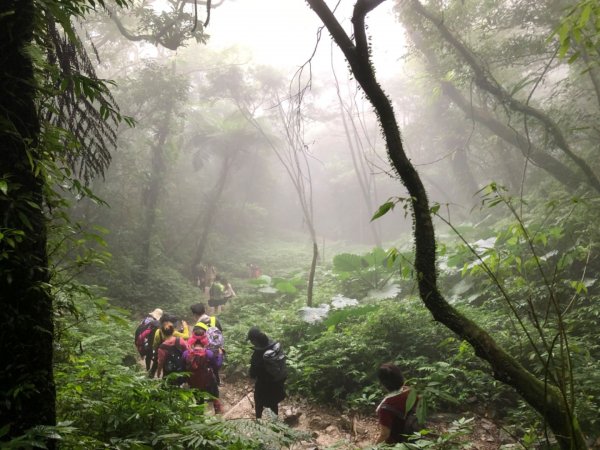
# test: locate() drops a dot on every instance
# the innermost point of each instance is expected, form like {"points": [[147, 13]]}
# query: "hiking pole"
{"points": [[228, 413]]}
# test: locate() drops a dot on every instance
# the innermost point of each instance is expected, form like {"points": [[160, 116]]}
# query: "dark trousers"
{"points": [[154, 367], [148, 359], [260, 404]]}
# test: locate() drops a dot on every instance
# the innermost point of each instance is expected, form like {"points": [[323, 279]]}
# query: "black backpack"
{"points": [[174, 361], [274, 359]]}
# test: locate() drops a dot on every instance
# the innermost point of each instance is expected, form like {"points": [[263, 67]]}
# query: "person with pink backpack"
{"points": [[202, 363]]}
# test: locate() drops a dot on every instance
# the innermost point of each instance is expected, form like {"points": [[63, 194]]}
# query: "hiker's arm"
{"points": [[185, 333], [156, 341], [254, 361], [384, 433]]}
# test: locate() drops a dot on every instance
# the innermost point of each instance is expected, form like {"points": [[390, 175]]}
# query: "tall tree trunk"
{"points": [[311, 275], [26, 314], [545, 398], [211, 209], [152, 195], [592, 70], [462, 171]]}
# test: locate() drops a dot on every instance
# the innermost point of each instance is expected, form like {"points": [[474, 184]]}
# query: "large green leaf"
{"points": [[347, 262]]}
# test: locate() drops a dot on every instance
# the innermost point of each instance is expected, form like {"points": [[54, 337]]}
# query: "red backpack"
{"points": [[197, 363]]}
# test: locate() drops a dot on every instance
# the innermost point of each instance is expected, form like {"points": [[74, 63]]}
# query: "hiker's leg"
{"points": [[273, 407], [154, 365], [148, 359], [258, 406]]}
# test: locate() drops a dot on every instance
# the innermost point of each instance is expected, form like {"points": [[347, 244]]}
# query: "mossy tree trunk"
{"points": [[26, 315], [545, 398]]}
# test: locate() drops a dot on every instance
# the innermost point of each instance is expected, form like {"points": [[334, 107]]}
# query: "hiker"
{"points": [[144, 335], [167, 321], [254, 270], [202, 363], [267, 367], [394, 421], [209, 327], [199, 313], [216, 295], [201, 276], [209, 278], [228, 292], [170, 353]]}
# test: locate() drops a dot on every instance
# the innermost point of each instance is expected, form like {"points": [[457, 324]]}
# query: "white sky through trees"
{"points": [[282, 33]]}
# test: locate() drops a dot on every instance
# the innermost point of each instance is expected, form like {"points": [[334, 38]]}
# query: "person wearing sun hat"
{"points": [[156, 314], [144, 335]]}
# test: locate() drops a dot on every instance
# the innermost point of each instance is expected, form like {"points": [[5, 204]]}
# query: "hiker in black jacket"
{"points": [[267, 367]]}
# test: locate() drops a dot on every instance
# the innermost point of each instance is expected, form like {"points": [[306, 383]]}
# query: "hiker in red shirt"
{"points": [[394, 421]]}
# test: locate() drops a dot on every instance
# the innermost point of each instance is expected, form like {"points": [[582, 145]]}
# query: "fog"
{"points": [[225, 151]]}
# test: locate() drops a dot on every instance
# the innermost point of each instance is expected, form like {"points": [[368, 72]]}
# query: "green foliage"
{"points": [[371, 271], [107, 404], [453, 438], [579, 30], [286, 286], [164, 286]]}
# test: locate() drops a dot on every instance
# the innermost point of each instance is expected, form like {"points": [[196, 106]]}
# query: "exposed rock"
{"points": [[361, 430], [345, 423], [487, 425], [291, 417], [319, 423]]}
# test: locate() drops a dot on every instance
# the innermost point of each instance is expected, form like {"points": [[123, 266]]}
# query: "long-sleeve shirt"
{"points": [[164, 350], [159, 337]]}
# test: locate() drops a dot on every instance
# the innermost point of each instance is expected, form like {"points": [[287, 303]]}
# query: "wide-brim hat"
{"points": [[157, 313]]}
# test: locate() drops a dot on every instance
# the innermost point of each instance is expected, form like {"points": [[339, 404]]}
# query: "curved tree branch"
{"points": [[486, 81], [545, 398]]}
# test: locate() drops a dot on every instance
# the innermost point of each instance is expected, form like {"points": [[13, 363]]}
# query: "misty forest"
{"points": [[366, 185]]}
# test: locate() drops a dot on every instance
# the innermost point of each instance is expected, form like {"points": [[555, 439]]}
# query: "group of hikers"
{"points": [[195, 355], [214, 287], [191, 356]]}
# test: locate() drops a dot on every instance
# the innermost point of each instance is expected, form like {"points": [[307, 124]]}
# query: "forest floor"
{"points": [[332, 428]]}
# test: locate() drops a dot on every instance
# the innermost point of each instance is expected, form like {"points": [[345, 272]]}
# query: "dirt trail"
{"points": [[330, 428]]}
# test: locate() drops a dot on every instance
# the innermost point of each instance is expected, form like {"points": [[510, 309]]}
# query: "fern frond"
{"points": [[81, 104], [217, 433]]}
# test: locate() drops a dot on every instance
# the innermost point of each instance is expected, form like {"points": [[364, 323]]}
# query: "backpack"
{"points": [[174, 361], [410, 423], [197, 363], [274, 359], [144, 335], [214, 335], [216, 291]]}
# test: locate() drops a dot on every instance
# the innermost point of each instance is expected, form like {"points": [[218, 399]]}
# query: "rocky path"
{"points": [[330, 428]]}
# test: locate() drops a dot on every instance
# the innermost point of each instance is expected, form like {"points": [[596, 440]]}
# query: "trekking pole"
{"points": [[228, 413]]}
